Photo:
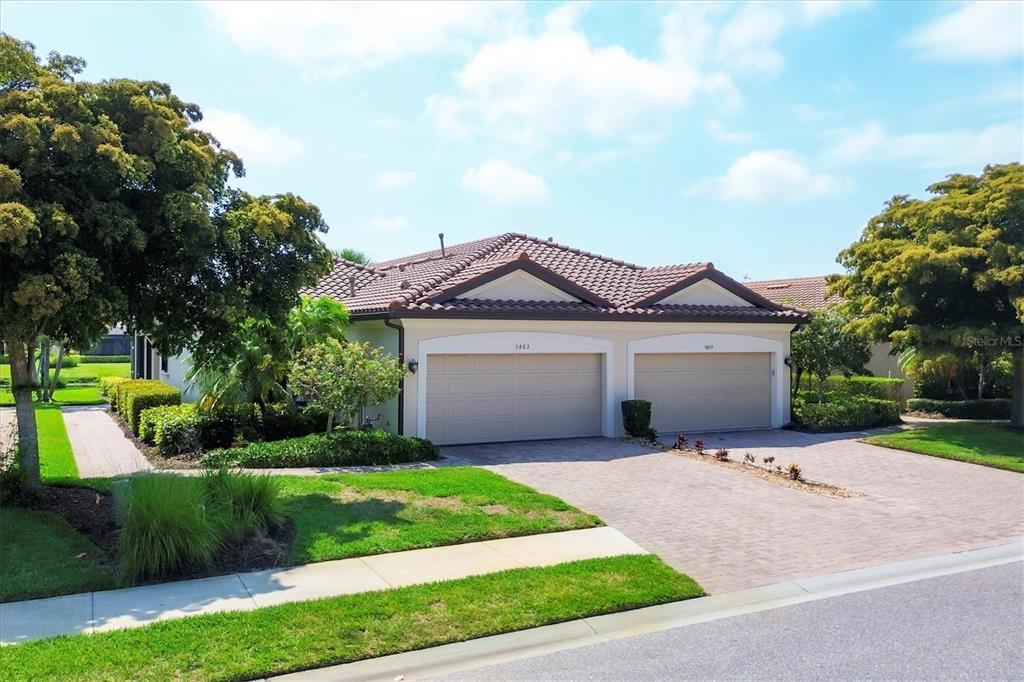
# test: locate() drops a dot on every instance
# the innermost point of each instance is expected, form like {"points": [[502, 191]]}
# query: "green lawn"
{"points": [[279, 639], [85, 370], [56, 460], [985, 444], [40, 554], [74, 395], [346, 515]]}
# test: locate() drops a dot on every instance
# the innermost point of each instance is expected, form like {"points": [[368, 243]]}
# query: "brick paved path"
{"points": [[732, 531], [101, 448], [8, 426]]}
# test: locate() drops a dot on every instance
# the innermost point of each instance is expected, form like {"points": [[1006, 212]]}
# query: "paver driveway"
{"points": [[730, 530]]}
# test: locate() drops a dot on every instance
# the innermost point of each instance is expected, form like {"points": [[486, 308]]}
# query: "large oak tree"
{"points": [[945, 274], [114, 207]]}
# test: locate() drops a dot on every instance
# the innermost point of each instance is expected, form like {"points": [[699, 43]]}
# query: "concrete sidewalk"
{"points": [[100, 447], [135, 606]]}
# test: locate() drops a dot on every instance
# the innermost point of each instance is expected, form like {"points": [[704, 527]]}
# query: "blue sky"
{"points": [[758, 136]]}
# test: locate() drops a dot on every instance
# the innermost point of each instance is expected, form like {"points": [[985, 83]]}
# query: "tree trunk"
{"points": [[330, 421], [21, 386], [981, 381], [44, 370], [52, 383], [1017, 412]]}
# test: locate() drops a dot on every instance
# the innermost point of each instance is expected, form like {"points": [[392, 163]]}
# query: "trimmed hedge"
{"points": [[883, 388], [636, 419], [97, 359], [846, 413], [341, 448], [989, 408], [172, 429], [135, 395], [108, 388]]}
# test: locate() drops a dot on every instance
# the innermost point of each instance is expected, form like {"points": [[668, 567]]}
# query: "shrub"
{"points": [[846, 413], [989, 408], [173, 429], [341, 448], [794, 471], [698, 446], [681, 442], [108, 388], [883, 388], [636, 419], [176, 524], [168, 527], [250, 502], [136, 395], [278, 423], [68, 360], [95, 359], [722, 455], [82, 380]]}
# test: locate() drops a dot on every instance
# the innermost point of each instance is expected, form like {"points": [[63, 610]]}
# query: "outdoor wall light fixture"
{"points": [[413, 365], [789, 361]]}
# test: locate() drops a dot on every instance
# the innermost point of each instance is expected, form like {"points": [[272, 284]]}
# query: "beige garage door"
{"points": [[494, 398], [706, 391]]}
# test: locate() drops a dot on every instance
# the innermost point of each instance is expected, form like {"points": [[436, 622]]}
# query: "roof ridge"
{"points": [[572, 249], [360, 266], [489, 241], [418, 291], [786, 279], [706, 265]]}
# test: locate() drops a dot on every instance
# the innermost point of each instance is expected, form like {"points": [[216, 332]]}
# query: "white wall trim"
{"points": [[714, 343], [516, 343]]}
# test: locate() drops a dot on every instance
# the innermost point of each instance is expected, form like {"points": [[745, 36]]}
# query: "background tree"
{"points": [[945, 274], [353, 255], [345, 377], [115, 208], [825, 345]]}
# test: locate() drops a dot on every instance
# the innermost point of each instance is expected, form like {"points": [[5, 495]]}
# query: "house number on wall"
{"points": [[709, 346], [522, 346]]}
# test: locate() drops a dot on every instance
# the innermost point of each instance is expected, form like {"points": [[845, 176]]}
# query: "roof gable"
{"points": [[519, 285], [708, 274], [704, 292]]}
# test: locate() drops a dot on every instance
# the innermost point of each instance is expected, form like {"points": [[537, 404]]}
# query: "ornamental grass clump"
{"points": [[248, 502]]}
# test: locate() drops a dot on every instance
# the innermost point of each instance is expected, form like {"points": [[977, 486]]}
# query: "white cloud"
{"points": [[723, 134], [747, 39], [808, 113], [336, 38], [975, 32], [254, 143], [814, 11], [960, 149], [393, 179], [501, 181], [385, 224], [769, 175]]}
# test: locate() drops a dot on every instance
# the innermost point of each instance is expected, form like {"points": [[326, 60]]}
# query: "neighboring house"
{"points": [[148, 363], [115, 342], [515, 338], [811, 293]]}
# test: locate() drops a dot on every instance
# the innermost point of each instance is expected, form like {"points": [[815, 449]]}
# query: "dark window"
{"points": [[163, 363]]}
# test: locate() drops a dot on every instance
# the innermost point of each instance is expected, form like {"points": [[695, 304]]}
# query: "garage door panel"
{"points": [[500, 397], [705, 391]]}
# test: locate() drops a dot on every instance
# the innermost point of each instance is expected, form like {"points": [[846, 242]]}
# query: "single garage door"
{"points": [[495, 398], [706, 391]]}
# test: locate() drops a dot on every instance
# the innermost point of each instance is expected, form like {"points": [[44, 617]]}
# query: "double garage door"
{"points": [[705, 391], [488, 398]]}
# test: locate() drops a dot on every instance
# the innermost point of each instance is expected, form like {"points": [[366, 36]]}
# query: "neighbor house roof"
{"points": [[809, 293], [429, 284]]}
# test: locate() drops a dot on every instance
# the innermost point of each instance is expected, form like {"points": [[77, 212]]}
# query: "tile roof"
{"points": [[426, 284], [808, 293]]}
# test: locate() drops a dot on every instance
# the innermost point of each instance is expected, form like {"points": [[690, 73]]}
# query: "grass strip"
{"points": [[56, 459], [41, 555], [986, 444], [346, 515], [278, 639]]}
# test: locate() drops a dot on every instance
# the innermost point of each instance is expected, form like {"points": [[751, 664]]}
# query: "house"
{"points": [[811, 293], [149, 363], [513, 338]]}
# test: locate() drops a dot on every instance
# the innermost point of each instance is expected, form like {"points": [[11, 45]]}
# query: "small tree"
{"points": [[824, 345], [344, 377]]}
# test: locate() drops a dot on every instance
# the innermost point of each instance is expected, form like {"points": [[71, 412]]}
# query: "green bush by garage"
{"points": [[135, 395], [991, 408], [340, 448], [842, 413]]}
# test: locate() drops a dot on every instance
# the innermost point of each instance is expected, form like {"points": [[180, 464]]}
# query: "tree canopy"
{"points": [[946, 273], [825, 345], [114, 207]]}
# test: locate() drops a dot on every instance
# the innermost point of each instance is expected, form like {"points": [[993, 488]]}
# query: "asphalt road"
{"points": [[967, 626]]}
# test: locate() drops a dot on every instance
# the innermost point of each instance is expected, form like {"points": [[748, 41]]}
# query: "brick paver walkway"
{"points": [[101, 448], [732, 531], [8, 426]]}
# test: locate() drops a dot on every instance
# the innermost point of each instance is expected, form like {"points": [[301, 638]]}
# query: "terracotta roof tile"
{"points": [[416, 285], [808, 293]]}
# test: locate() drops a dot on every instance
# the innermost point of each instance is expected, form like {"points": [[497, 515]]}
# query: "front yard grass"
{"points": [[41, 555], [345, 515], [279, 639], [985, 444], [56, 459], [75, 395]]}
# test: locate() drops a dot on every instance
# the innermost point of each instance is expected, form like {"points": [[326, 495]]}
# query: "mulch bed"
{"points": [[826, 489], [91, 513]]}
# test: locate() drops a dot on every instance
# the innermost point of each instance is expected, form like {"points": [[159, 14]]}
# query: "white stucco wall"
{"points": [[617, 341], [882, 364], [375, 332], [178, 367]]}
